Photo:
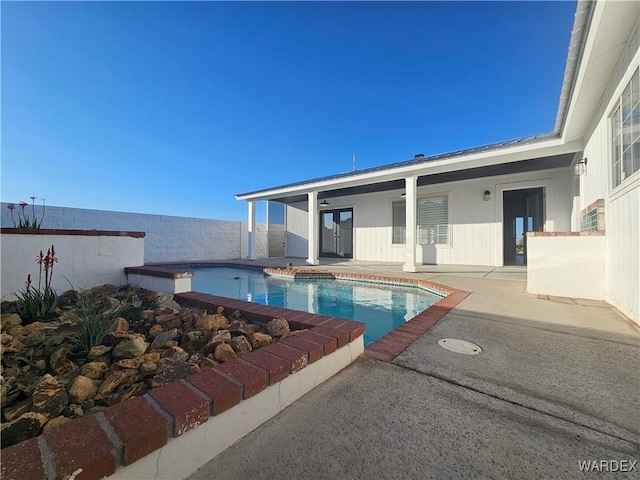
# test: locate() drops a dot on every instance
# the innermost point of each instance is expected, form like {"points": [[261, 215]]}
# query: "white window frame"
{"points": [[626, 109], [398, 224], [433, 231], [436, 234]]}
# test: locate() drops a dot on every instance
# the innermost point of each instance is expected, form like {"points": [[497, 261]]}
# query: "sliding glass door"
{"points": [[336, 233]]}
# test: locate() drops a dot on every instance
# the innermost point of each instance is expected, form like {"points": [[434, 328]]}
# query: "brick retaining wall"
{"points": [[96, 445]]}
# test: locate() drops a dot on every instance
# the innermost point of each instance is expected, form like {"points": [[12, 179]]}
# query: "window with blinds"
{"points": [[399, 222], [433, 221]]}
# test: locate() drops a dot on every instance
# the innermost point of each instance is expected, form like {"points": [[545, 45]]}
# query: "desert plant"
{"points": [[24, 219], [39, 302], [94, 324]]}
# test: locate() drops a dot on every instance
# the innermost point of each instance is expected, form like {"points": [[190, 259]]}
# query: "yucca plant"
{"points": [[94, 324]]}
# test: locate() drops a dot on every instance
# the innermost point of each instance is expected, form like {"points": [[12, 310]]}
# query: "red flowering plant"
{"points": [[39, 302], [26, 220]]}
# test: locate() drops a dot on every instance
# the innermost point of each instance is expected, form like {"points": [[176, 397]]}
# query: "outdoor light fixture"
{"points": [[324, 203], [580, 167], [487, 195]]}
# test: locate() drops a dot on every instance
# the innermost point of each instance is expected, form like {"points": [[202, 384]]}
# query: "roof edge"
{"points": [[579, 32], [528, 140]]}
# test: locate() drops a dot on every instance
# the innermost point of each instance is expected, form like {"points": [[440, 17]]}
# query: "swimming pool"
{"points": [[381, 307]]}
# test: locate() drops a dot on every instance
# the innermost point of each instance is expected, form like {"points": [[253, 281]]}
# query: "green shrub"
{"points": [[94, 324]]}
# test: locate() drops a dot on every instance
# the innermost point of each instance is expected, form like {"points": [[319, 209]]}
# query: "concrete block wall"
{"points": [[566, 264], [168, 238], [84, 261]]}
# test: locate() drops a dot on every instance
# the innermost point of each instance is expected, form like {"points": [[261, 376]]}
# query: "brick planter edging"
{"points": [[159, 272], [95, 445]]}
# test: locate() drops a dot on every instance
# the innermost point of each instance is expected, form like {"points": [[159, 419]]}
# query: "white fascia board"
{"points": [[464, 161], [585, 99], [582, 68]]}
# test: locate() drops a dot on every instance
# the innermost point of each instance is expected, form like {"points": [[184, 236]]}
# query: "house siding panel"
{"points": [[622, 204], [297, 225], [623, 251], [475, 224]]}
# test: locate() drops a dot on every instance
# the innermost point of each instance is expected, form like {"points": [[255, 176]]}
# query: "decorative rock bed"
{"points": [[154, 341], [176, 427]]}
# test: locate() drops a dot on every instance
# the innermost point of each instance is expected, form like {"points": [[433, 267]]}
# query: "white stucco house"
{"points": [[469, 207]]}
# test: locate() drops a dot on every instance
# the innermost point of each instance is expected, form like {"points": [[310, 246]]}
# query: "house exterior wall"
{"points": [[622, 215], [276, 240], [297, 230], [622, 203], [556, 265], [168, 238], [475, 224]]}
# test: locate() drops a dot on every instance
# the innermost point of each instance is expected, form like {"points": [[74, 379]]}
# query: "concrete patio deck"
{"points": [[557, 383]]}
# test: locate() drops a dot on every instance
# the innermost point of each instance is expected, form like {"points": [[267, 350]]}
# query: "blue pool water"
{"points": [[381, 307]]}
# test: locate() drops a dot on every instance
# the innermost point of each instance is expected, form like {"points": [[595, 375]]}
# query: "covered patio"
{"points": [[428, 272], [426, 211]]}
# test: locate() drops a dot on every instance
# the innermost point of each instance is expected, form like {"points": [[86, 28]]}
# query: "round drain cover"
{"points": [[460, 346]]}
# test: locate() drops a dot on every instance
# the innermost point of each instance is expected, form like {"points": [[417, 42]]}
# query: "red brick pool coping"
{"points": [[389, 346], [159, 272], [97, 444], [395, 342], [130, 430]]}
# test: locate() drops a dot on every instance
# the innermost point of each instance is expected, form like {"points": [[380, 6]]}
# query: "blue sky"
{"points": [[173, 108]]}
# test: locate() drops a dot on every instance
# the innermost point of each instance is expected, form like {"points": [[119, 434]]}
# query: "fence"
{"points": [[168, 238]]}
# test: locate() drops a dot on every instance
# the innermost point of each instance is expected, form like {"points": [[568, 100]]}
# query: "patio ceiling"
{"points": [[556, 161]]}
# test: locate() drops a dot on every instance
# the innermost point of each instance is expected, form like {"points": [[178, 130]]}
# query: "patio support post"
{"points": [[251, 227], [411, 228], [313, 234], [266, 221]]}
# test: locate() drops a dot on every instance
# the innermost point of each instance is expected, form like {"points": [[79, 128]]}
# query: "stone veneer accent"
{"points": [[94, 446], [598, 208]]}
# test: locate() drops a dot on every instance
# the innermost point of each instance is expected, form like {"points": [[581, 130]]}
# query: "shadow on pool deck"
{"points": [[557, 383]]}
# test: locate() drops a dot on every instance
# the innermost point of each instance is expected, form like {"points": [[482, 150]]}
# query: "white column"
{"points": [[313, 233], [251, 228], [267, 226], [410, 213]]}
